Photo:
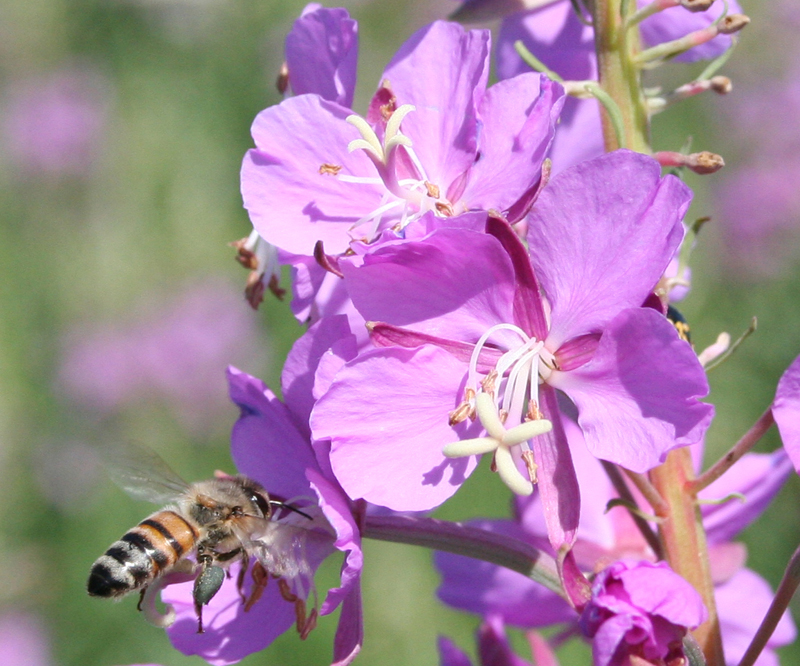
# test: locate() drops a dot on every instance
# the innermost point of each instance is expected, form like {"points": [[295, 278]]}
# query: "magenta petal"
{"points": [[387, 436], [601, 235], [786, 411], [450, 654], [637, 398], [519, 117], [230, 633], [453, 284], [265, 444], [742, 602], [442, 70], [291, 204], [299, 370], [759, 477], [322, 54]]}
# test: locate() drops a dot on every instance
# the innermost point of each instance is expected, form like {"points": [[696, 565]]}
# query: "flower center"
{"points": [[409, 193], [506, 401]]}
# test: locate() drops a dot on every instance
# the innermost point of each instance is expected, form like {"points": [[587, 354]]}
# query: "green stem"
{"points": [[469, 541], [620, 77]]}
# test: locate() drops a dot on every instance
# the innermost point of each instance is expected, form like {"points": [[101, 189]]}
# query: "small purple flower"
{"points": [[640, 608], [267, 446], [54, 125], [174, 348], [434, 139]]}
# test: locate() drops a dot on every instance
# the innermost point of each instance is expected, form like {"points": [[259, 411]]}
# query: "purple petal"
{"points": [[637, 398], [742, 602], [759, 477], [601, 235], [483, 588], [322, 54], [518, 123], [386, 415], [298, 376], [676, 22], [265, 444], [494, 648], [453, 284], [291, 204], [554, 35], [230, 633], [558, 485], [442, 70], [450, 654], [786, 410]]}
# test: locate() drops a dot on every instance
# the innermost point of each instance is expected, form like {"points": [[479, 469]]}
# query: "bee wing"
{"points": [[143, 474], [281, 548]]}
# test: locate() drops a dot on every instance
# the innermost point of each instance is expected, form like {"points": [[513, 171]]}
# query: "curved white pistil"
{"points": [[506, 401], [411, 196]]}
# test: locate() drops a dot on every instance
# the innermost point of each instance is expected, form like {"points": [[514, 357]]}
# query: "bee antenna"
{"points": [[290, 507]]}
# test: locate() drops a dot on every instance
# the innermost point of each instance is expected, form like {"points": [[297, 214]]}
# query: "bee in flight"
{"points": [[219, 521]]}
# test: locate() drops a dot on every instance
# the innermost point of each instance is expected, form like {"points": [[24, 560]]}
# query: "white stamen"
{"points": [[511, 476]]}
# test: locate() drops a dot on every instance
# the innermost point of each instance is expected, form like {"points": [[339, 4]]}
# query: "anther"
{"points": [[327, 169]]}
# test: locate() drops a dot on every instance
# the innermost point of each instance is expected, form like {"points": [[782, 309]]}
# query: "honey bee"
{"points": [[219, 521]]}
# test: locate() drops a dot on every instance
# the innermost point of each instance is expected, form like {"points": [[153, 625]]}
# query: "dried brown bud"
{"points": [[721, 85], [732, 23], [704, 162], [282, 82], [696, 5]]}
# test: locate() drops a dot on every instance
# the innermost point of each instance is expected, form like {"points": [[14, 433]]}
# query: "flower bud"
{"points": [[696, 5], [732, 23]]}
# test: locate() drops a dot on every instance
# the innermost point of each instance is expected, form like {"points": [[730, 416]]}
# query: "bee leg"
{"points": [[260, 578], [303, 623], [240, 577], [207, 583], [141, 599]]}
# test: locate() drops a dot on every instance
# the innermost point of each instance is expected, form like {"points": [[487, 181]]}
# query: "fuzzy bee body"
{"points": [[218, 521], [151, 548]]}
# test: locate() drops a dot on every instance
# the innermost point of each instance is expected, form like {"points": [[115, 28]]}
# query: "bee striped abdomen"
{"points": [[146, 551]]}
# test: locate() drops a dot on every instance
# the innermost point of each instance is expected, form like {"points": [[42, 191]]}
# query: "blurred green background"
{"points": [[114, 264]]}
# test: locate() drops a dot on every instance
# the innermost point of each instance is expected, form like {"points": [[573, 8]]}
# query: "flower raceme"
{"points": [[463, 324], [434, 139]]}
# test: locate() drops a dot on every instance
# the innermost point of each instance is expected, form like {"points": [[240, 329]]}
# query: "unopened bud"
{"points": [[732, 23], [721, 84], [703, 162], [696, 5], [282, 82]]}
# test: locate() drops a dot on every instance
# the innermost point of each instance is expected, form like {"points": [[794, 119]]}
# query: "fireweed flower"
{"points": [[640, 608], [555, 35], [465, 328], [267, 446], [606, 536], [786, 411], [434, 139]]}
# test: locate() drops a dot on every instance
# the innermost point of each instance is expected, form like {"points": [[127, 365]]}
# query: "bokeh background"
{"points": [[122, 128]]}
